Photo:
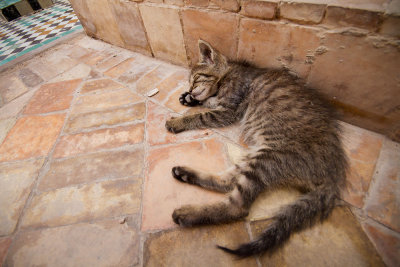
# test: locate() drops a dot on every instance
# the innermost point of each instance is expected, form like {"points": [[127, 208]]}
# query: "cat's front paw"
{"points": [[187, 99], [182, 174], [183, 216], [174, 125]]}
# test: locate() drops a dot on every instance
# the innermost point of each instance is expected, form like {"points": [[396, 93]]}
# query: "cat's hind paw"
{"points": [[187, 99], [183, 216], [175, 125]]}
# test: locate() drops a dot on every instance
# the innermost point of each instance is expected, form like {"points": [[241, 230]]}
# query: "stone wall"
{"points": [[349, 49]]}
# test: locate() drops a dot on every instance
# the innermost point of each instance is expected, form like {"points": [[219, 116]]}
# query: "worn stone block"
{"points": [[393, 8], [11, 87], [130, 25], [348, 17], [116, 58], [302, 12], [29, 78], [5, 126], [362, 148], [165, 34], [349, 73], [100, 139], [100, 85], [196, 247], [230, 5], [105, 118], [13, 108], [31, 136], [80, 71], [391, 27], [387, 242], [5, 243], [84, 15], [104, 243], [50, 65], [52, 97], [91, 167], [174, 2], [82, 203], [104, 100], [202, 25], [197, 3], [340, 239], [172, 83], [152, 79], [105, 23], [16, 182], [271, 44], [382, 202], [120, 69], [258, 9], [137, 71]]}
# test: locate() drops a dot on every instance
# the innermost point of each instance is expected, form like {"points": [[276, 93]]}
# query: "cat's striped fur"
{"points": [[293, 140]]}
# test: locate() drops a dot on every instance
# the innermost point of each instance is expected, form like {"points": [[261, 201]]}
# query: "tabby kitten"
{"points": [[293, 140]]}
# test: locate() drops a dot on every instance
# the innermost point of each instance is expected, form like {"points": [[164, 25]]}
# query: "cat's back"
{"points": [[280, 105]]}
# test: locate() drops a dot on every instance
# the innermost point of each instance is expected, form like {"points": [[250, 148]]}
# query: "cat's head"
{"points": [[212, 66]]}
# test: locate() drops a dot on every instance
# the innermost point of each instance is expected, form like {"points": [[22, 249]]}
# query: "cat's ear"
{"points": [[207, 53]]}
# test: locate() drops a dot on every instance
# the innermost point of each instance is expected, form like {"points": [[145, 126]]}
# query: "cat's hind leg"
{"points": [[224, 183], [235, 207]]}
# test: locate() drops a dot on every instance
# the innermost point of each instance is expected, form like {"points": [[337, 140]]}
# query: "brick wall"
{"points": [[349, 49]]}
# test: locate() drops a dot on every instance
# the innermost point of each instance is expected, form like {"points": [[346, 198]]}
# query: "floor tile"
{"points": [[52, 97], [5, 126], [152, 79], [5, 243], [387, 242], [196, 246], [176, 80], [98, 85], [100, 139], [339, 241], [383, 203], [158, 135], [16, 181], [116, 59], [80, 71], [162, 193], [105, 243], [50, 65], [13, 108], [362, 148], [104, 100], [81, 203], [105, 118], [32, 136], [11, 87], [120, 69], [173, 101], [137, 71], [92, 167], [94, 58], [29, 78]]}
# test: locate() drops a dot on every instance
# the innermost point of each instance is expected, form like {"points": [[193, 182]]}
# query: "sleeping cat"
{"points": [[293, 140]]}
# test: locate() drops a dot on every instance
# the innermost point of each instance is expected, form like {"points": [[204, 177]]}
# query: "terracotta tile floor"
{"points": [[85, 175]]}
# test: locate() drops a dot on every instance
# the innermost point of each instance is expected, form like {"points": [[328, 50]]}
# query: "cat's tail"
{"points": [[303, 213]]}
